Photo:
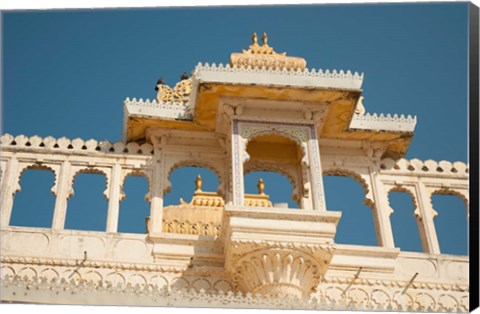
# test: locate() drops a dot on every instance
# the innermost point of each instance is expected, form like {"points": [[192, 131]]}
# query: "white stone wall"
{"points": [[382, 277]]}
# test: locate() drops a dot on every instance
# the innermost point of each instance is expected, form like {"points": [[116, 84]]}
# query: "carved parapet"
{"points": [[424, 168], [202, 216], [277, 252], [383, 122], [207, 199], [255, 200], [173, 109], [279, 76], [66, 146], [187, 227]]}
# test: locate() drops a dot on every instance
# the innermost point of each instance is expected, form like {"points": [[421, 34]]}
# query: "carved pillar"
{"points": [[315, 171], [9, 187], [114, 198], [63, 193], [238, 155], [425, 217], [381, 212], [156, 192]]}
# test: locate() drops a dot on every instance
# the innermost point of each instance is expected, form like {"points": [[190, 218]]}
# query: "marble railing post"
{"points": [[9, 188], [63, 193], [382, 212], [427, 214], [114, 198]]}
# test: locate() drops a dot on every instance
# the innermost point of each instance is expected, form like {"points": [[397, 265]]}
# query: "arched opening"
{"points": [[182, 182], [134, 208], [276, 158], [278, 187], [34, 205], [405, 226], [193, 205], [87, 209], [451, 224], [345, 194]]}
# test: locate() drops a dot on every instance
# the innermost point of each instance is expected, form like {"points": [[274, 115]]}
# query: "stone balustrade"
{"points": [[66, 158], [108, 259]]}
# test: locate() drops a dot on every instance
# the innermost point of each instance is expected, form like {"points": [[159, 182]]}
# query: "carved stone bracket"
{"points": [[278, 271], [274, 252]]}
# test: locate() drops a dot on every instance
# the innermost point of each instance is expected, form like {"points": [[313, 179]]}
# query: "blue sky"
{"points": [[66, 73]]}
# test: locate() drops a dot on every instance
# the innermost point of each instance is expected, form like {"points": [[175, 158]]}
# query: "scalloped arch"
{"points": [[290, 136], [199, 164], [92, 170], [452, 192], [135, 173], [36, 167], [401, 189], [354, 175]]}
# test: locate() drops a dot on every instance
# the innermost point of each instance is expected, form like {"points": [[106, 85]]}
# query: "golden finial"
{"points": [[261, 187], [198, 183], [265, 56], [264, 39], [255, 39]]}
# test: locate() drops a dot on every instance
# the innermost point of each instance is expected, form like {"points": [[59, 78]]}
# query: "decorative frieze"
{"points": [[165, 109], [64, 145], [329, 296], [383, 122]]}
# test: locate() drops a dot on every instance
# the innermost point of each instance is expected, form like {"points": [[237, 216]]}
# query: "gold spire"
{"points": [[265, 56], [261, 187], [265, 39], [255, 39], [198, 183]]}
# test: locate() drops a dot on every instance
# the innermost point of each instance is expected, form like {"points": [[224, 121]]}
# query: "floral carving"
{"points": [[265, 57], [187, 227], [277, 273], [179, 94]]}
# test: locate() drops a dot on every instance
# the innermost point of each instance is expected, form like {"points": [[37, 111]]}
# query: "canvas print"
{"points": [[280, 157]]}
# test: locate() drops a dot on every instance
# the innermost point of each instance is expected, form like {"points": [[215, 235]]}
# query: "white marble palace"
{"points": [[226, 248]]}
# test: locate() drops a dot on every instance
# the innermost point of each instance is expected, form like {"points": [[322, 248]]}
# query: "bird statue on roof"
{"points": [[160, 81], [184, 76]]}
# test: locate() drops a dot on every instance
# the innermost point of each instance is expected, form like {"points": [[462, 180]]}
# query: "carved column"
{"points": [[382, 212], [9, 188], [426, 215], [114, 198], [315, 171], [238, 155], [63, 193], [156, 190]]}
